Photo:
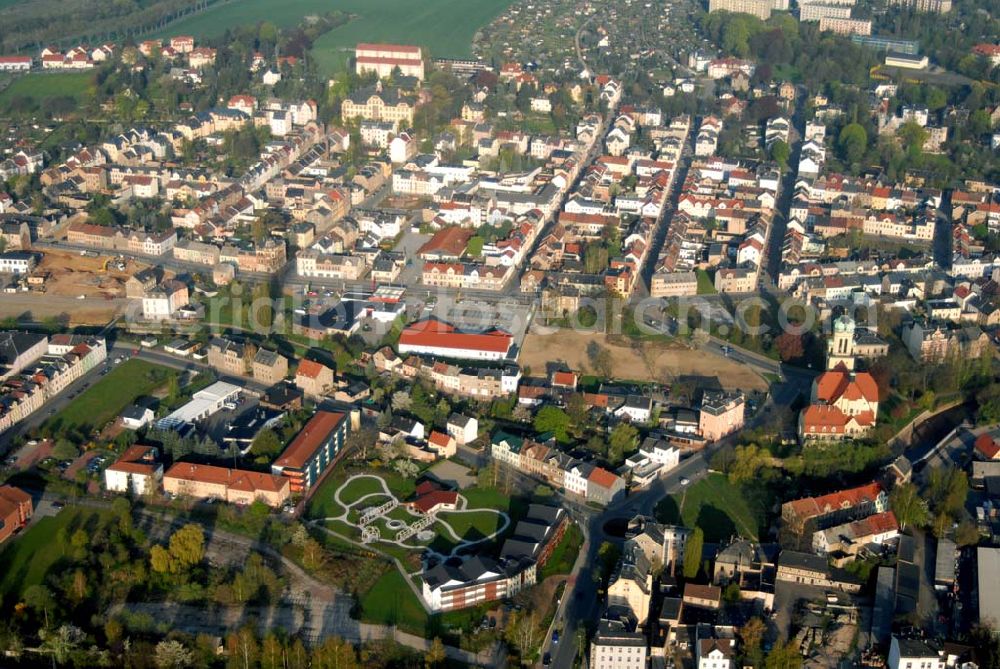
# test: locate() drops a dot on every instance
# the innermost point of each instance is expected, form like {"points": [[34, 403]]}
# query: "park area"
{"points": [[720, 508], [366, 508], [660, 362], [108, 397]]}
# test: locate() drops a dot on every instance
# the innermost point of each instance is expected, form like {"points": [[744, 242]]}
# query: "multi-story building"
{"points": [[845, 26], [313, 378], [386, 59], [836, 508], [137, 471], [721, 413], [759, 8], [312, 451], [938, 342], [440, 339], [673, 284], [269, 367], [816, 11], [227, 356], [618, 644], [236, 486], [163, 301], [935, 6], [16, 510], [19, 349], [378, 104]]}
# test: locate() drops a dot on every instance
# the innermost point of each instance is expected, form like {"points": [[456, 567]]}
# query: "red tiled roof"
{"points": [[810, 507], [987, 446], [309, 439], [435, 333], [451, 241], [602, 477], [831, 386], [238, 479], [310, 368], [439, 439], [426, 503]]}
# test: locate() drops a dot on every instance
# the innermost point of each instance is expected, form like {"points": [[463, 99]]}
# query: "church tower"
{"points": [[840, 350]]}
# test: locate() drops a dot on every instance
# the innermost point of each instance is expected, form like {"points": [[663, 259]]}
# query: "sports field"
{"points": [[444, 27]]}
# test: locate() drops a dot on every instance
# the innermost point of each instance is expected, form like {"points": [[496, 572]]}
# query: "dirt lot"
{"points": [[654, 362], [71, 274], [37, 307]]}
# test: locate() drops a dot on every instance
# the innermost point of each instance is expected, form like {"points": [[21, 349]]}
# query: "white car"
{"points": [[685, 480]]}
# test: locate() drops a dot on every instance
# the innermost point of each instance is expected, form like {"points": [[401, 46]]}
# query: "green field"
{"points": [[213, 22], [716, 506], [106, 398], [564, 555], [446, 27], [29, 559], [472, 526], [392, 602], [44, 85], [705, 284]]}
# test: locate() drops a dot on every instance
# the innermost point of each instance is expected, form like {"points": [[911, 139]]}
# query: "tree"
{"points": [[623, 439], [172, 655], [853, 142], [790, 346], [692, 553], [39, 598], [780, 153], [272, 653], [906, 503], [967, 534], [784, 656], [185, 549], [243, 649], [555, 420], [600, 359], [748, 461], [335, 653], [752, 635], [266, 444], [435, 655], [948, 488], [61, 642]]}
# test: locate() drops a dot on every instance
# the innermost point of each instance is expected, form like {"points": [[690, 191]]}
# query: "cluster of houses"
{"points": [[723, 221], [34, 368]]}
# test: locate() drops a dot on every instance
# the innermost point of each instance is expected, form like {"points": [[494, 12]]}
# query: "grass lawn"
{"points": [[106, 398], [323, 505], [43, 85], [705, 284], [487, 498], [716, 506], [30, 557], [564, 554], [392, 602], [359, 488], [472, 526]]}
